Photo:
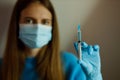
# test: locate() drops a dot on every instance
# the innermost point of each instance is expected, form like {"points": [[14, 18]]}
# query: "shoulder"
{"points": [[69, 60], [72, 69], [67, 56]]}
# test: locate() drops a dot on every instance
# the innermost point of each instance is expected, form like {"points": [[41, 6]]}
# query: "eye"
{"points": [[46, 22], [29, 21]]}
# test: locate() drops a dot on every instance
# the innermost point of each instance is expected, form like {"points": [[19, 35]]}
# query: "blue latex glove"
{"points": [[90, 61]]}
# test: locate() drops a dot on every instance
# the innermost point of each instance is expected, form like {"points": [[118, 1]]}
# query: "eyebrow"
{"points": [[35, 19], [30, 18], [47, 19]]}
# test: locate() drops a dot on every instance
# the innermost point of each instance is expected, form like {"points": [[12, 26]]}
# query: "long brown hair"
{"points": [[48, 60]]}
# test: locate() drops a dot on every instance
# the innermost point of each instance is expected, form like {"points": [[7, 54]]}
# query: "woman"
{"points": [[32, 50]]}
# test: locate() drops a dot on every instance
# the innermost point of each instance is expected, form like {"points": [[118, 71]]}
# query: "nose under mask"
{"points": [[35, 35]]}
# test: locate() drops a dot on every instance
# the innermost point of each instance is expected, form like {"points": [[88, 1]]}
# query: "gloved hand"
{"points": [[90, 61]]}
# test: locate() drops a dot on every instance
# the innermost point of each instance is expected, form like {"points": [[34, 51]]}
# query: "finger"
{"points": [[84, 44], [90, 49], [96, 47]]}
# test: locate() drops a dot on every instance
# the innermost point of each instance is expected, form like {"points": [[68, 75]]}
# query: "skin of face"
{"points": [[35, 13]]}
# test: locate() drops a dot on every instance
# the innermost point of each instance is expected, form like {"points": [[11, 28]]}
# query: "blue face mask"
{"points": [[35, 35]]}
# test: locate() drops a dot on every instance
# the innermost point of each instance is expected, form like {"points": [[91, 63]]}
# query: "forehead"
{"points": [[36, 10]]}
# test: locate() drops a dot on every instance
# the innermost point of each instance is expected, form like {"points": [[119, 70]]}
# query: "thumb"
{"points": [[76, 46]]}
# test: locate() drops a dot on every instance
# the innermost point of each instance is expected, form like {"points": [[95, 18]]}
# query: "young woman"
{"points": [[32, 50]]}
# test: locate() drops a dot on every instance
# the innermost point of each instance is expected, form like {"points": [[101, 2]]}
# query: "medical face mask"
{"points": [[35, 35]]}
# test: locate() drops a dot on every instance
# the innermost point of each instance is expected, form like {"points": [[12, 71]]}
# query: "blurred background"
{"points": [[100, 22]]}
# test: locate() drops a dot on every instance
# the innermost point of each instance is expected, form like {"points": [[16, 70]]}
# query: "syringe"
{"points": [[79, 43]]}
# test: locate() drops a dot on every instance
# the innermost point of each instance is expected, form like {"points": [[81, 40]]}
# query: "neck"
{"points": [[32, 52]]}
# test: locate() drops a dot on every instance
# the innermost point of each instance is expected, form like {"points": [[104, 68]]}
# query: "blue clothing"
{"points": [[72, 70]]}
